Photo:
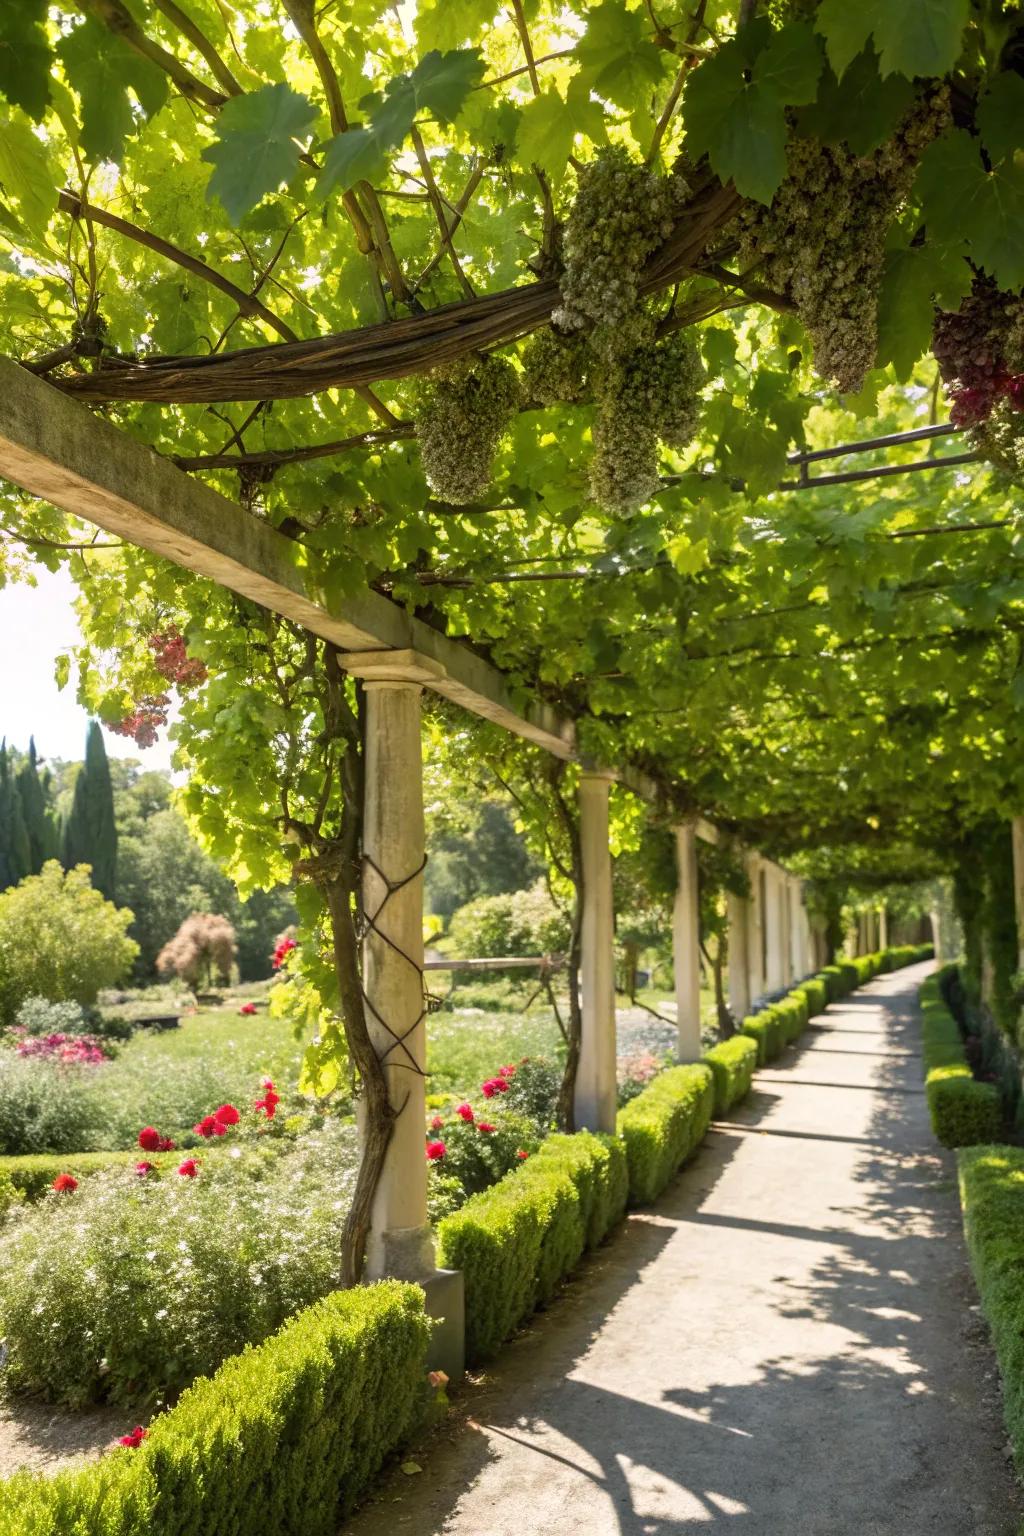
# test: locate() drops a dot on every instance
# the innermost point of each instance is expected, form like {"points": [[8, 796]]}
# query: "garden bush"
{"points": [[283, 1440], [765, 1029], [963, 1111], [663, 1125], [127, 1288], [815, 991], [515, 923], [992, 1199], [10, 1194], [732, 1064], [60, 939], [40, 1016], [48, 1106], [34, 1175], [516, 1241]]}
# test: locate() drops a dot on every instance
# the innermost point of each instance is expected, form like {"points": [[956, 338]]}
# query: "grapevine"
{"points": [[822, 240], [464, 412], [173, 662], [556, 368], [653, 394], [980, 352], [145, 720]]}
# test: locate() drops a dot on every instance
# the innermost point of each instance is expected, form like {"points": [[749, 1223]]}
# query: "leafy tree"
{"points": [[476, 851], [60, 939], [202, 949], [89, 835], [40, 826], [15, 848]]}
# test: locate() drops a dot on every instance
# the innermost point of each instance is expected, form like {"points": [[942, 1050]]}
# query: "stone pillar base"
{"points": [[446, 1305], [400, 1253]]}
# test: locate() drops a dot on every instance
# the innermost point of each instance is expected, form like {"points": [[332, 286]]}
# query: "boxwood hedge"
{"points": [[963, 1111]]}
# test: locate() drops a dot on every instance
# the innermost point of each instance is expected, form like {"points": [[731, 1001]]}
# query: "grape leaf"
{"points": [[442, 81], [913, 280], [256, 149], [25, 174], [950, 184], [862, 111], [24, 55], [617, 57], [997, 235], [102, 68], [1000, 116], [548, 128], [448, 23], [915, 38], [739, 126], [790, 65]]}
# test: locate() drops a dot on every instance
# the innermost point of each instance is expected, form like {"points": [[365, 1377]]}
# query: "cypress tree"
{"points": [[15, 850], [89, 833], [39, 824]]}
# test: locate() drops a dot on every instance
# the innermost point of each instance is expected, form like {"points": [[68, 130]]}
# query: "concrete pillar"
{"points": [[400, 1242], [596, 1087], [797, 948], [883, 928], [756, 927], [738, 910], [774, 934], [686, 945], [786, 926], [1017, 826]]}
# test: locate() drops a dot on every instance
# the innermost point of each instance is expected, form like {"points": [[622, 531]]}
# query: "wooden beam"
{"points": [[56, 448]]}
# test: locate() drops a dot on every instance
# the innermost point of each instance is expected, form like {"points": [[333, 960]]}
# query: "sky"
{"points": [[36, 623]]}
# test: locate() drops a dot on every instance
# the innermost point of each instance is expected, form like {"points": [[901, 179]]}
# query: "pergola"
{"points": [[53, 447]]}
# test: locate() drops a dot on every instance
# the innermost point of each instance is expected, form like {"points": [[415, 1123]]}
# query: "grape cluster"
{"points": [[173, 662], [980, 353], [621, 214], [1001, 436], [464, 412], [652, 394], [822, 240], [142, 725], [556, 368]]}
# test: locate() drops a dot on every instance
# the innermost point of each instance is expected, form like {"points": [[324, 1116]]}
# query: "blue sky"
{"points": [[36, 623]]}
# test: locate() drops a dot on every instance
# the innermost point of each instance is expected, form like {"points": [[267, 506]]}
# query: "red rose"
{"points": [[247, 1009], [437, 1123], [485, 1126], [500, 1085], [143, 1168], [149, 1139], [65, 1184], [226, 1115], [465, 1112], [487, 1089], [436, 1150], [206, 1127], [522, 1156], [134, 1438], [189, 1168], [508, 1071], [165, 1144]]}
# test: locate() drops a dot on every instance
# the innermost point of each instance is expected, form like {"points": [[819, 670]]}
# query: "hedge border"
{"points": [[963, 1112]]}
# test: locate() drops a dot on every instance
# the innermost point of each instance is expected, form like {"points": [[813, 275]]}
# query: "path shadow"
{"points": [[44, 1438]]}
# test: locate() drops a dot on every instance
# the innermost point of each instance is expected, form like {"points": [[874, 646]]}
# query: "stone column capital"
{"points": [[406, 666]]}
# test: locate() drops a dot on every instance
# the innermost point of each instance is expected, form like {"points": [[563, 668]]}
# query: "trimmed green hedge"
{"points": [[516, 1241], [992, 1199], [732, 1064], [765, 1029], [963, 1111], [663, 1125], [283, 1439], [34, 1173]]}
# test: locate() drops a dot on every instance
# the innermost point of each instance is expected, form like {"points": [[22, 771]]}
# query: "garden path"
{"points": [[787, 1344]]}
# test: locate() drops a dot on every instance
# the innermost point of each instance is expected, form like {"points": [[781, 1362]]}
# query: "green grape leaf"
{"points": [[914, 279], [548, 127], [62, 669], [790, 66], [25, 174], [739, 126], [358, 155], [1000, 116], [617, 57], [257, 146], [950, 184], [997, 235], [102, 68], [442, 81], [862, 110], [915, 38], [449, 23], [24, 55]]}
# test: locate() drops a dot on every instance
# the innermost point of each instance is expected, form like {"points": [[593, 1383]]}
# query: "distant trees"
{"points": [[203, 948], [28, 827], [89, 834]]}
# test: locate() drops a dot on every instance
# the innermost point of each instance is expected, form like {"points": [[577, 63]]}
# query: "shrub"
{"points": [[61, 939], [39, 1016], [10, 1194], [514, 923], [516, 1241], [45, 1106], [203, 948], [33, 1176], [132, 1286], [478, 1159], [663, 1125], [815, 991], [992, 1198], [832, 977], [732, 1064], [963, 1111], [765, 1029], [284, 1439]]}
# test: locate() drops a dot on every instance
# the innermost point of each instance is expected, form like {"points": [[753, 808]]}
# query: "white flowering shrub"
{"points": [[129, 1286]]}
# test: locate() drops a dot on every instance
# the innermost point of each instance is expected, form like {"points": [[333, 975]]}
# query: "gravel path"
{"points": [[786, 1345], [50, 1439]]}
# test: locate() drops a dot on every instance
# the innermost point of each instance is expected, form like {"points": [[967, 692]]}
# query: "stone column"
{"points": [[596, 1079], [797, 957], [883, 928], [774, 936], [400, 1242], [786, 927], [1017, 826], [756, 927], [739, 956], [686, 945]]}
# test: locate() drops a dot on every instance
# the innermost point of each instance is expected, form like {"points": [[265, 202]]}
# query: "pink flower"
{"points": [[143, 1168], [436, 1150], [465, 1112], [282, 951], [207, 1127], [247, 1009], [508, 1071], [437, 1123], [270, 1100], [226, 1115], [488, 1089], [149, 1139], [522, 1156], [134, 1438], [485, 1126], [165, 1144], [65, 1183], [189, 1168]]}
